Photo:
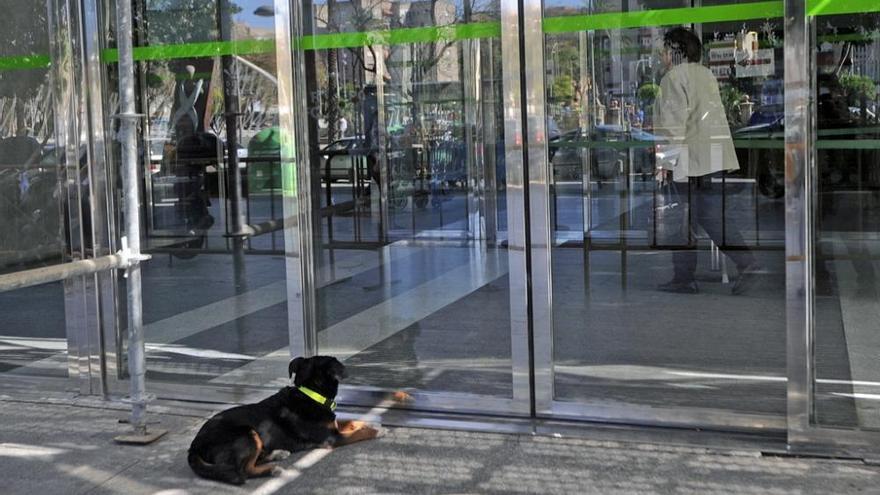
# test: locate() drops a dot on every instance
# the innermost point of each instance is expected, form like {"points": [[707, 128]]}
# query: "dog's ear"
{"points": [[294, 366]]}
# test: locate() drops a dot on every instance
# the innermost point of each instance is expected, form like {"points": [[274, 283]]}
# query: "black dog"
{"points": [[238, 443]]}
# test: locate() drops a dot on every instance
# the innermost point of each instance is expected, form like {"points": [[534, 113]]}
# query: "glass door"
{"points": [[836, 388], [215, 290], [409, 273], [664, 126]]}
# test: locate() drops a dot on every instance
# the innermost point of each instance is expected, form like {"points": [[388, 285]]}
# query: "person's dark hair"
{"points": [[685, 43]]}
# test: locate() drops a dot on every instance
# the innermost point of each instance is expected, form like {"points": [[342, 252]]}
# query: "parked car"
{"points": [[339, 158], [609, 147]]}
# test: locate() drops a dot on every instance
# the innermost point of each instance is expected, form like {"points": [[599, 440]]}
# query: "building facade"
{"points": [[465, 200]]}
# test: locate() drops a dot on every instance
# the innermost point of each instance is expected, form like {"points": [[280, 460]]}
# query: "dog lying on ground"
{"points": [[240, 442]]}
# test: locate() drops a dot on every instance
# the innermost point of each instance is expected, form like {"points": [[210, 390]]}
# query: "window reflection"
{"points": [[32, 226], [39, 224], [847, 223], [665, 147]]}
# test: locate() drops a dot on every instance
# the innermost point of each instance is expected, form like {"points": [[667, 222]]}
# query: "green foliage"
{"points": [[183, 21], [731, 98], [856, 87], [648, 92], [563, 88]]}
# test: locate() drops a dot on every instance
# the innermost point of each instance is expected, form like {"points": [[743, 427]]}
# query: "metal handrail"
{"points": [[63, 271]]}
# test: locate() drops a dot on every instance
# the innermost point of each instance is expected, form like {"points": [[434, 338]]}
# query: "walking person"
{"points": [[689, 116]]}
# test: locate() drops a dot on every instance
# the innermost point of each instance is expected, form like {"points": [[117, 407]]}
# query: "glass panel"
{"points": [[666, 151], [33, 228], [411, 268], [31, 215], [847, 240], [215, 303]]}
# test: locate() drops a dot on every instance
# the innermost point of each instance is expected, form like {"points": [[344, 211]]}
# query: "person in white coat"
{"points": [[689, 117]]}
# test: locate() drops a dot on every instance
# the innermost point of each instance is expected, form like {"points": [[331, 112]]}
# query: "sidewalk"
{"points": [[67, 448]]}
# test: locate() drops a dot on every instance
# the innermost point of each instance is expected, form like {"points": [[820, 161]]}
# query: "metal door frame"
{"points": [[301, 281], [801, 198], [541, 283]]}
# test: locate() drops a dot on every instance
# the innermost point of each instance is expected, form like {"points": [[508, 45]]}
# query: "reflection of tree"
{"points": [[859, 90], [731, 98], [182, 21], [382, 15], [174, 22], [24, 93]]}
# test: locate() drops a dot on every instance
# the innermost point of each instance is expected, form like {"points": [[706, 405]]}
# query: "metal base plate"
{"points": [[140, 439]]}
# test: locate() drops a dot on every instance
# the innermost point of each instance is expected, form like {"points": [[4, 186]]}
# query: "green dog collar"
{"points": [[315, 396]]}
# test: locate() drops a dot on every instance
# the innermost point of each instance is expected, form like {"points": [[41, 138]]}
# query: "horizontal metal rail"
{"points": [[56, 273]]}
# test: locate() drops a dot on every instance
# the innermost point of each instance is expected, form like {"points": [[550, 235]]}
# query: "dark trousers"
{"points": [[704, 199]]}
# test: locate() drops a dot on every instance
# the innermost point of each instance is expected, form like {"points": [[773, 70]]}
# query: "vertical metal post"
{"points": [[514, 162], [300, 178], [537, 205], [798, 218], [132, 241], [470, 75], [384, 171], [231, 111], [491, 135]]}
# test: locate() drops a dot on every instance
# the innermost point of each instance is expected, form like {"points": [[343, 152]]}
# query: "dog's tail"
{"points": [[226, 473]]}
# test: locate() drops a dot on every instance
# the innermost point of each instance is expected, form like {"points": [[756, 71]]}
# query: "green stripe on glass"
{"points": [[195, 50], [849, 132], [454, 32], [449, 33], [625, 145], [835, 7], [25, 62], [848, 144], [759, 144], [476, 30], [664, 17]]}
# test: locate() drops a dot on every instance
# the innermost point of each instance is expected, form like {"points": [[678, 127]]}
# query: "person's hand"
{"points": [[661, 175]]}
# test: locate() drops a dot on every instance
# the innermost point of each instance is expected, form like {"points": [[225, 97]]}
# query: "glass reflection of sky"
{"points": [[247, 17]]}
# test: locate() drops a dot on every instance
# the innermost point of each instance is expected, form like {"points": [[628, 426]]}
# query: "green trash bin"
{"points": [[264, 176]]}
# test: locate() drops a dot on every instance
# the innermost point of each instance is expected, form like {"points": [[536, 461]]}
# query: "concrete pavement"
{"points": [[66, 447]]}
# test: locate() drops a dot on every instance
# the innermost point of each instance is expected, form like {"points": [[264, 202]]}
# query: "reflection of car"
{"points": [[610, 146], [32, 191], [157, 151], [339, 158], [856, 113], [766, 114]]}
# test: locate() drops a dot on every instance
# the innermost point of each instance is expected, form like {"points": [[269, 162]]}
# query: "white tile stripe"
{"points": [[375, 324], [860, 317], [189, 323]]}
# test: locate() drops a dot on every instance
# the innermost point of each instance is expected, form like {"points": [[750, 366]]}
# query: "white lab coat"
{"points": [[689, 115]]}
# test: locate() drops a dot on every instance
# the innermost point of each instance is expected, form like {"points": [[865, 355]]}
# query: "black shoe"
{"points": [[679, 287], [746, 280]]}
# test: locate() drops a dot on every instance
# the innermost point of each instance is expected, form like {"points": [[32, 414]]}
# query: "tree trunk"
{"points": [[332, 90]]}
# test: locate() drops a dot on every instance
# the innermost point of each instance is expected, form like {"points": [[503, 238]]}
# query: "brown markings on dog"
{"points": [[251, 467]]}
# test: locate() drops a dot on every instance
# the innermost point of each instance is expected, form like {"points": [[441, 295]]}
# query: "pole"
{"points": [[131, 243], [231, 110]]}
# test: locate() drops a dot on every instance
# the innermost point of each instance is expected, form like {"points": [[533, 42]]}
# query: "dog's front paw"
{"points": [[350, 426], [370, 431], [278, 455], [277, 470]]}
